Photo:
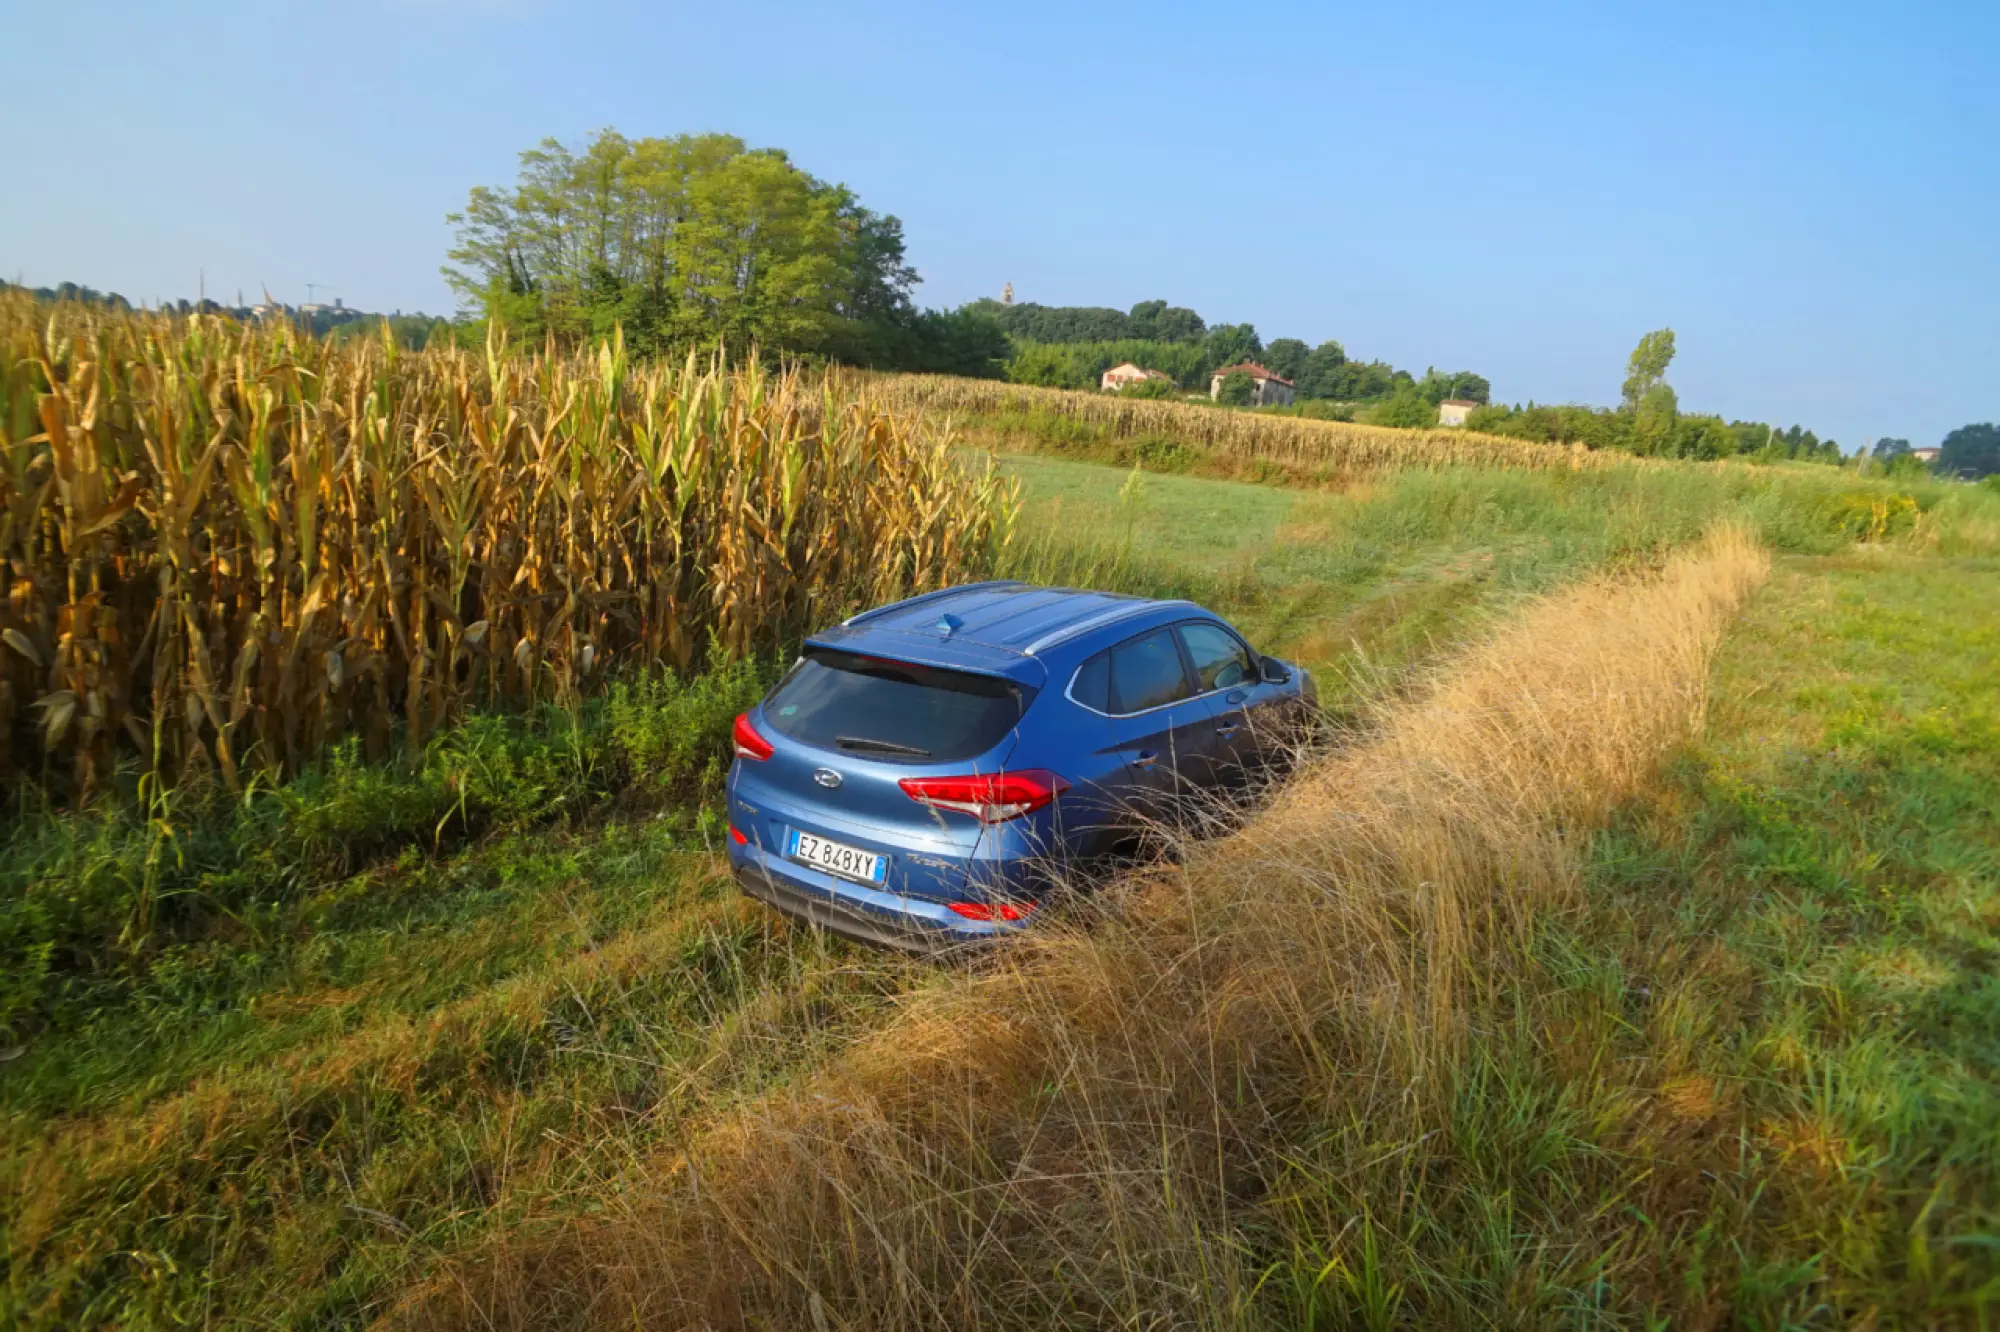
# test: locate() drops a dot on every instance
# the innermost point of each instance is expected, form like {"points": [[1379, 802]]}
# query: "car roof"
{"points": [[1014, 616], [994, 628]]}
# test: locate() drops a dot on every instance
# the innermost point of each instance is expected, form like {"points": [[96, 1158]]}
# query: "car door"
{"points": [[1226, 674], [1163, 731]]}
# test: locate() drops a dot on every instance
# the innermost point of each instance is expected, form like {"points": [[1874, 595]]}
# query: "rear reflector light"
{"points": [[736, 836], [992, 910], [988, 797], [749, 744]]}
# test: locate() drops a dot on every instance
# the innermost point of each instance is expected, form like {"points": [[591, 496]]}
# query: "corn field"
{"points": [[227, 546], [1335, 447]]}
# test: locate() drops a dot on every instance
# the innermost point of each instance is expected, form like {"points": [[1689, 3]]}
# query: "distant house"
{"points": [[1453, 411], [1927, 456], [1118, 376], [1268, 389]]}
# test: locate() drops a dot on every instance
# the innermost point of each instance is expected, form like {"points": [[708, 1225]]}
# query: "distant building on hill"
{"points": [[1118, 376], [1268, 388], [1453, 411], [1927, 456]]}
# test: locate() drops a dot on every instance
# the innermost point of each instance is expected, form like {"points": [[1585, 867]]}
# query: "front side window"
{"points": [[1220, 659], [1147, 673]]}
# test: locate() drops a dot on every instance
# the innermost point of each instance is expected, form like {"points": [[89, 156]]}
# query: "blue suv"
{"points": [[919, 772]]}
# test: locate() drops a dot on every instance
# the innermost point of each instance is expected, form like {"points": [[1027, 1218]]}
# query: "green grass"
{"points": [[1363, 584], [1755, 1081], [273, 1059]]}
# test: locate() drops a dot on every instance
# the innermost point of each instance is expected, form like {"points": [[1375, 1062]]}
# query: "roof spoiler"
{"points": [[921, 598]]}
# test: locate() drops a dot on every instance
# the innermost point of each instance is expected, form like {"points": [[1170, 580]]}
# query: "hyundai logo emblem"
{"points": [[826, 777]]}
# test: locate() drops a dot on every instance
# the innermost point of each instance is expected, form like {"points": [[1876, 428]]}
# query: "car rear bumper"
{"points": [[854, 910]]}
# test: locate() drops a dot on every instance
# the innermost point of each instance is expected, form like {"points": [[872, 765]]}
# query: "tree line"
{"points": [[1648, 421], [1072, 347]]}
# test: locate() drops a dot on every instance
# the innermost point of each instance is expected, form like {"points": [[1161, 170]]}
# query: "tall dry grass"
{"points": [[1322, 448], [227, 545], [1095, 1129]]}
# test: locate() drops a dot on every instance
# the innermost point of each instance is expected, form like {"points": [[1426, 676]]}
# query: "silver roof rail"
{"points": [[1112, 616], [922, 597]]}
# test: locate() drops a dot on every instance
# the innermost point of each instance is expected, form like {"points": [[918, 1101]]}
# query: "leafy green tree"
{"points": [[1889, 446], [1648, 366], [1971, 451], [1237, 389], [1030, 322], [1404, 407], [1228, 344], [1659, 410], [1046, 364], [1287, 358], [1439, 386], [955, 342], [1156, 321], [690, 241], [1317, 378]]}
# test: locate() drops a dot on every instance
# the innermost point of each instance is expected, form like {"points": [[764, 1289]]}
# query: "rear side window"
{"points": [[895, 711], [1092, 686], [1147, 673], [1220, 660]]}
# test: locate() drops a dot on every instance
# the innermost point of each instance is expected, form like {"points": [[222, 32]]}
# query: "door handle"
{"points": [[1146, 759]]}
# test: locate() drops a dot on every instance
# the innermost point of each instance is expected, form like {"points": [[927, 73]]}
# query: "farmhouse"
{"points": [[1268, 389], [1927, 456], [1453, 411], [1118, 376]]}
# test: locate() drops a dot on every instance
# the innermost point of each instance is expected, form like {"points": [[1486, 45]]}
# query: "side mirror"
{"points": [[1274, 671]]}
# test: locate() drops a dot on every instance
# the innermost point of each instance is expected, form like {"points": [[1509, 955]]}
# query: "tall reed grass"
{"points": [[228, 545], [1098, 1129]]}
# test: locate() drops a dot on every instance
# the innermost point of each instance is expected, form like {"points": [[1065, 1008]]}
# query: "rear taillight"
{"points": [[988, 797], [749, 744], [992, 910], [736, 836]]}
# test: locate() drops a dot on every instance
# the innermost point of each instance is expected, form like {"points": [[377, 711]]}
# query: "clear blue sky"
{"points": [[1809, 194]]}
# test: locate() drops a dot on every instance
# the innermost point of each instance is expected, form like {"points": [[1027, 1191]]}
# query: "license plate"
{"points": [[847, 861]]}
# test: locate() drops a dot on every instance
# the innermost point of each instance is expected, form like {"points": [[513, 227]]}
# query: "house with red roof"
{"points": [[1268, 389]]}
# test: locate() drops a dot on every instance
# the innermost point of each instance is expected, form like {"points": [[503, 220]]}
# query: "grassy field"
{"points": [[481, 999]]}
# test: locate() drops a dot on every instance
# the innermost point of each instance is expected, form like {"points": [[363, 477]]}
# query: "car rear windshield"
{"points": [[894, 711]]}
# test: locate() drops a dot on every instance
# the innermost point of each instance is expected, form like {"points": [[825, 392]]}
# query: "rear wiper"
{"points": [[879, 746]]}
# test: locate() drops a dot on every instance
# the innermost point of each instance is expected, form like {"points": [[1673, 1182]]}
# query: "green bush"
{"points": [[1151, 389], [1237, 389], [91, 901]]}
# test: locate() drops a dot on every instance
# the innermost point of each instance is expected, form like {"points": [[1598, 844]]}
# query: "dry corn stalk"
{"points": [[229, 545]]}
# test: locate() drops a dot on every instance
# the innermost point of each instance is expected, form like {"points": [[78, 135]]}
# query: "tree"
{"points": [[1404, 407], [1658, 410], [1317, 378], [1287, 358], [956, 342], [1156, 321], [1438, 386], [1889, 446], [1971, 451], [1228, 344], [1648, 367], [1237, 389], [696, 240]]}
